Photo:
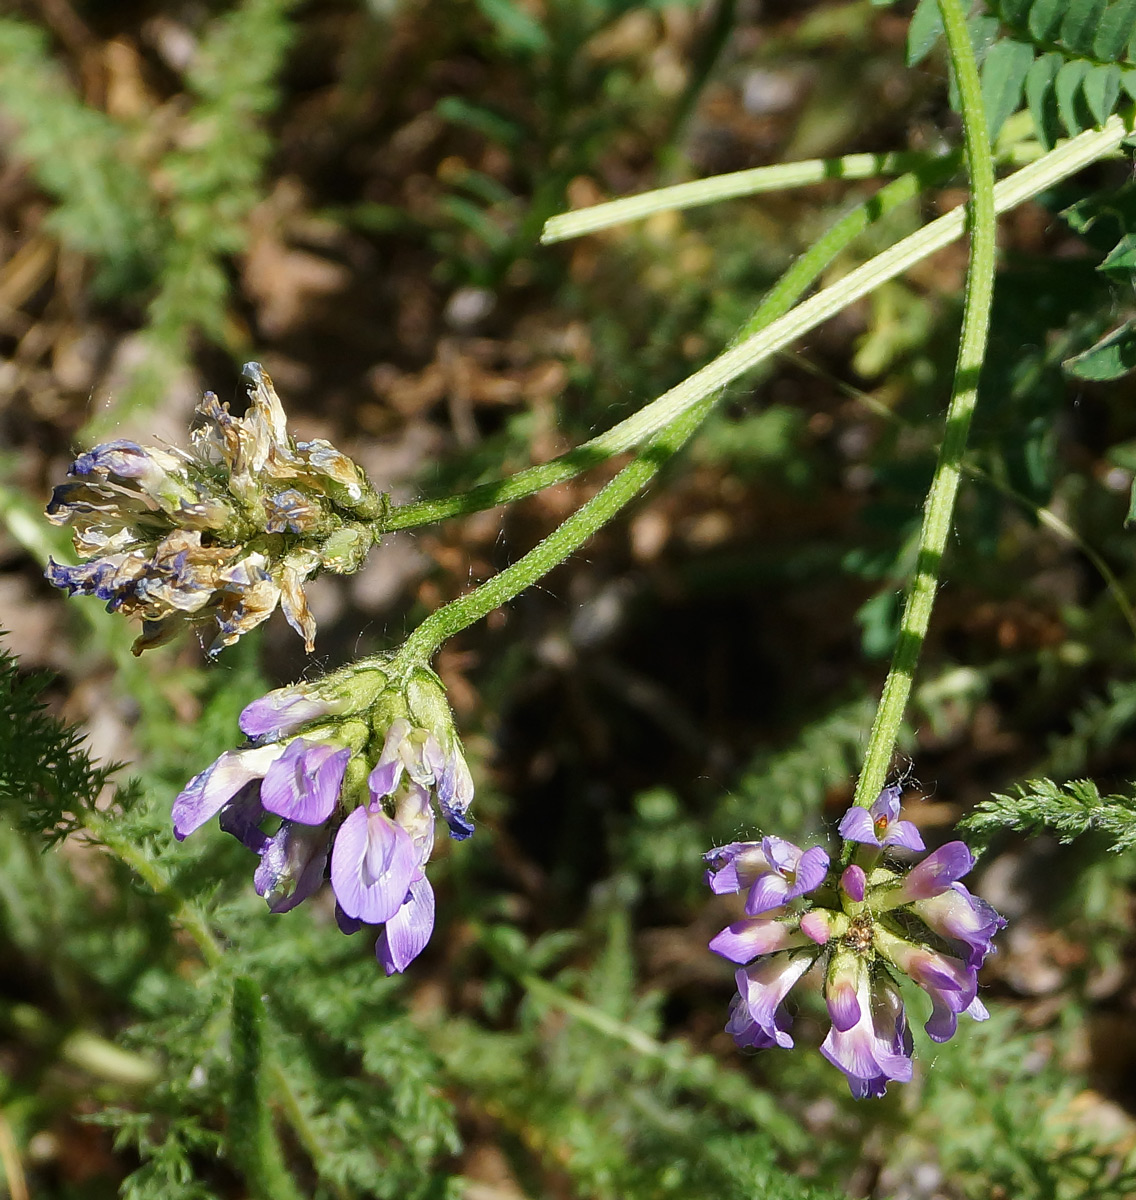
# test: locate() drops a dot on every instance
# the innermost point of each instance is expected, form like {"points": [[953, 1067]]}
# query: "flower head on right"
{"points": [[867, 923]]}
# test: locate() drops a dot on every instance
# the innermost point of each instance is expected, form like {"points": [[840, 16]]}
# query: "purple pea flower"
{"points": [[303, 783], [291, 866], [853, 881], [950, 982], [762, 988], [879, 825], [241, 818], [208, 792], [285, 710], [869, 1040], [405, 935], [372, 865], [419, 756], [876, 1047], [934, 875], [959, 916], [298, 781], [843, 988], [745, 1031], [775, 871], [752, 937]]}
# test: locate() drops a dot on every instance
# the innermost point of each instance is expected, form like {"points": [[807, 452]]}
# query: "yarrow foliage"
{"points": [[338, 782], [226, 530], [864, 923]]}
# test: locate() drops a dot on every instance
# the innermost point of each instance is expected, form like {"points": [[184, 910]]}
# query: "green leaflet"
{"points": [[1114, 30], [1003, 77], [1111, 357], [1041, 98]]}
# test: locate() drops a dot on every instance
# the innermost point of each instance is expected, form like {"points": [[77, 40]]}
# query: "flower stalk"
{"points": [[939, 511]]}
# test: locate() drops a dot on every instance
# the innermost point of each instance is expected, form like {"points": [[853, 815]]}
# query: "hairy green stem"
{"points": [[562, 541], [187, 915], [730, 186], [939, 510], [252, 1136], [1048, 170], [558, 545]]}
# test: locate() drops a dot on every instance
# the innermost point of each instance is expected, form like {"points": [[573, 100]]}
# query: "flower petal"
{"points": [[454, 789], [768, 892], [904, 833], [303, 783], [811, 870], [372, 864], [405, 935], [206, 793], [764, 985], [857, 825], [745, 940], [937, 871], [242, 816], [853, 882], [283, 711], [292, 866]]}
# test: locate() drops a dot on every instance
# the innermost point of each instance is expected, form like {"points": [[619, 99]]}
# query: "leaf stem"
{"points": [[193, 921], [1048, 170], [581, 525], [562, 541], [939, 510], [730, 186]]}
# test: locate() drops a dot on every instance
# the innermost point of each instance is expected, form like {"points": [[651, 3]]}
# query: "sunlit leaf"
{"points": [[1111, 357]]}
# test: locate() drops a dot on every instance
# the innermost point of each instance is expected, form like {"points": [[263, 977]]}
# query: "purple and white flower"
{"points": [[745, 940], [372, 864], [880, 825], [775, 871], [933, 875], [763, 988], [303, 783], [405, 935], [801, 911], [208, 792], [292, 865], [950, 982], [876, 1047], [959, 916]]}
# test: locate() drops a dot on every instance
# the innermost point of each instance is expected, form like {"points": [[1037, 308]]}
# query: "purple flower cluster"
{"points": [[864, 923], [371, 833]]}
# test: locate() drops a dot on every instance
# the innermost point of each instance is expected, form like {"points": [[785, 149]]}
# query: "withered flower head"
{"points": [[222, 532]]}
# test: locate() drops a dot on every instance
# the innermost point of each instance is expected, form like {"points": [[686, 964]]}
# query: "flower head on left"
{"points": [[340, 782]]}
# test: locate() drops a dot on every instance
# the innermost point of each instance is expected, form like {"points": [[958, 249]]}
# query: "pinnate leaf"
{"points": [[1041, 99], [1016, 12], [1117, 25], [1045, 18], [924, 30]]}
